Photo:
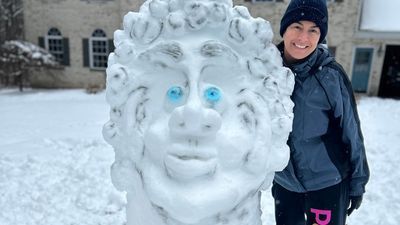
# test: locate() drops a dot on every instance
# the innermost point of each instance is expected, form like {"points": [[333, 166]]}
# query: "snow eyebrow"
{"points": [[211, 49], [171, 51]]}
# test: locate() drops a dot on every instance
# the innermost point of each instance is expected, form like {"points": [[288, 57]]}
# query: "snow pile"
{"points": [[57, 190], [380, 122], [200, 112]]}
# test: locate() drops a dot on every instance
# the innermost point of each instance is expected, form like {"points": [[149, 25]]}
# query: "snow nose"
{"points": [[194, 120]]}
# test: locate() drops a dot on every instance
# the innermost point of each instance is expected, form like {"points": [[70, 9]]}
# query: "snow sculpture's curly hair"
{"points": [[160, 20]]}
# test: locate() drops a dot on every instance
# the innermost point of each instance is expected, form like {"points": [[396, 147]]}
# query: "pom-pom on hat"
{"points": [[309, 10]]}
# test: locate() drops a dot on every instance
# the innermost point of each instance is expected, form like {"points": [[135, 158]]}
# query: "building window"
{"points": [[57, 45], [98, 50], [54, 44]]}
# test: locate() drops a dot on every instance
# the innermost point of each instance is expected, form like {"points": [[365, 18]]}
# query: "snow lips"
{"points": [[200, 113]]}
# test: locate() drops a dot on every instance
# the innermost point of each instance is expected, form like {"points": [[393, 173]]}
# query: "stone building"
{"points": [[80, 32]]}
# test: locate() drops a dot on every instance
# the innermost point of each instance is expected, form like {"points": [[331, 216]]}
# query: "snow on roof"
{"points": [[381, 15]]}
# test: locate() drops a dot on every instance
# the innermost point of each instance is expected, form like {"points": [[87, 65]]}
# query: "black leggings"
{"points": [[322, 207]]}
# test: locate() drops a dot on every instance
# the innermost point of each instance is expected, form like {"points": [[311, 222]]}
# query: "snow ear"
{"points": [[134, 114], [124, 133]]}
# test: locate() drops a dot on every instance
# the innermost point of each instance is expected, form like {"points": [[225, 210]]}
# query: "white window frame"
{"points": [[59, 37], [92, 54]]}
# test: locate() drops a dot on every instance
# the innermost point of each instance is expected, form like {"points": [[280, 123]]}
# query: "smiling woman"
{"points": [[328, 169]]}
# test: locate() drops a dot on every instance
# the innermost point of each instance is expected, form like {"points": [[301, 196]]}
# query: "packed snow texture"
{"points": [[200, 113], [55, 166]]}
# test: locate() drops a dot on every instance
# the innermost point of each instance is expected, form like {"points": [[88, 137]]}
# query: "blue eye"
{"points": [[212, 94], [175, 94]]}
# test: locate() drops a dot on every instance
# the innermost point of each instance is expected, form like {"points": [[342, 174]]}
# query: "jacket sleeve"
{"points": [[352, 136]]}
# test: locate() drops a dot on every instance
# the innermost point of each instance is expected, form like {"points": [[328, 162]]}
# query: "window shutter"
{"points": [[111, 46], [339, 1], [41, 42], [66, 52], [279, 0], [85, 49]]}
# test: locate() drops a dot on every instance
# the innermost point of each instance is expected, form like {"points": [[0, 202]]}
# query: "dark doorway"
{"points": [[390, 79]]}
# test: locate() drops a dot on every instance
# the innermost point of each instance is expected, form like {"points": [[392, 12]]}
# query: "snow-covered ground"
{"points": [[54, 163]]}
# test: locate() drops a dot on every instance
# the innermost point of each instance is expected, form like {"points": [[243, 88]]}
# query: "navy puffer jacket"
{"points": [[326, 143]]}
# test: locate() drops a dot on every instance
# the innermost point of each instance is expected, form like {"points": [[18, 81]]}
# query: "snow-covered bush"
{"points": [[16, 56]]}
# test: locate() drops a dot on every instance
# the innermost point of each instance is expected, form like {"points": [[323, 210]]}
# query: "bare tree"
{"points": [[11, 20], [11, 28], [17, 56]]}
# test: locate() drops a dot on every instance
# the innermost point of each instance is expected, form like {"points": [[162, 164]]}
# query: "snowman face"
{"points": [[206, 134]]}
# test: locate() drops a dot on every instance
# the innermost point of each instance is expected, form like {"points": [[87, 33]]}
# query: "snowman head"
{"points": [[200, 106]]}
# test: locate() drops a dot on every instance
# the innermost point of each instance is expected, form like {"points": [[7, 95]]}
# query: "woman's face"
{"points": [[300, 39]]}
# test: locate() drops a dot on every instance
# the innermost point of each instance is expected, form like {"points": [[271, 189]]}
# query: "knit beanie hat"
{"points": [[310, 10]]}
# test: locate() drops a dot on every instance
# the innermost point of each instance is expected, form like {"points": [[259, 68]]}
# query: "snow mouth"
{"points": [[189, 157], [190, 166]]}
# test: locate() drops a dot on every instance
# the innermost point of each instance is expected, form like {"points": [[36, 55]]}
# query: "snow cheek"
{"points": [[237, 140], [233, 147], [157, 140], [249, 144]]}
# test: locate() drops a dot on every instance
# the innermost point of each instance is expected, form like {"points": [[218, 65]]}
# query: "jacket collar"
{"points": [[318, 58]]}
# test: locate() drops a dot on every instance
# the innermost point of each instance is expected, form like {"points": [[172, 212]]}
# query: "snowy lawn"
{"points": [[54, 164]]}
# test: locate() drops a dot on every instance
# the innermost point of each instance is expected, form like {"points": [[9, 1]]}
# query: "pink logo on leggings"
{"points": [[324, 213]]}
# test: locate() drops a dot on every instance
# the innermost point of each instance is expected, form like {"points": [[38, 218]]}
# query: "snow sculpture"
{"points": [[200, 113]]}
